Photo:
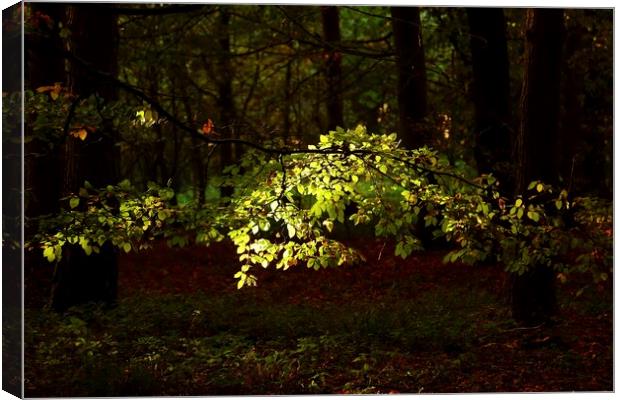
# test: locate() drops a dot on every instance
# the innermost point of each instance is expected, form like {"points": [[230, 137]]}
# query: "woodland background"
{"points": [[172, 95]]}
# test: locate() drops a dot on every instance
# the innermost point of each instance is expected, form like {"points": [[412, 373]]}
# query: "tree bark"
{"points": [[537, 150], [533, 293], [491, 94], [44, 67], [225, 99], [94, 39], [12, 201], [333, 66], [571, 135], [287, 101], [412, 102]]}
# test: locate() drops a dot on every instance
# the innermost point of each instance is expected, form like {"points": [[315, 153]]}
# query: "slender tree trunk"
{"points": [[159, 170], [533, 293], [198, 166], [225, 100], [81, 278], [333, 66], [491, 93], [225, 92], [412, 103], [287, 101]]}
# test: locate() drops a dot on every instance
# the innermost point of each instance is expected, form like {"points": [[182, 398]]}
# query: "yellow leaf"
{"points": [[79, 133], [44, 89], [54, 90]]}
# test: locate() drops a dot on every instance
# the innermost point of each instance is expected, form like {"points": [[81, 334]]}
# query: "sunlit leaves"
{"points": [[285, 211], [54, 90], [48, 253], [74, 202], [79, 133], [146, 117]]}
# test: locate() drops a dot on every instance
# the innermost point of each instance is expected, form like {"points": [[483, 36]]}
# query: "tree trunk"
{"points": [[199, 180], [333, 69], [80, 278], [412, 104], [533, 294], [44, 67], [225, 92], [12, 201], [537, 150], [491, 93], [225, 99], [571, 135], [287, 101]]}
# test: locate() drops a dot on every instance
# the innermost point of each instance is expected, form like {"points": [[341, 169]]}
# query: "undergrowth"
{"points": [[216, 344]]}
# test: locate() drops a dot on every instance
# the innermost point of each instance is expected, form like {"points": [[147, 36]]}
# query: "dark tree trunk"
{"points": [[491, 93], [533, 299], [225, 100], [44, 67], [412, 103], [198, 166], [533, 295], [537, 141], [12, 200], [159, 170], [94, 39], [570, 122], [333, 66], [287, 101]]}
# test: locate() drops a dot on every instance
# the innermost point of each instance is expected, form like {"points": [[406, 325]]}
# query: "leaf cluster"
{"points": [[285, 208]]}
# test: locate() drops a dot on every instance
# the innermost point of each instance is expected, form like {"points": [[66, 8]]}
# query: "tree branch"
{"points": [[280, 151], [172, 9]]}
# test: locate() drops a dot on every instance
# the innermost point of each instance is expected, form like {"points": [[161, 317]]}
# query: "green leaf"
{"points": [[49, 254], [125, 184], [127, 247], [329, 225], [519, 213], [74, 202], [518, 203], [533, 215], [291, 230], [539, 187], [485, 208]]}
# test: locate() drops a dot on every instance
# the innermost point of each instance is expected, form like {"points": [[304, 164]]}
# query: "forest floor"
{"points": [[385, 326]]}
